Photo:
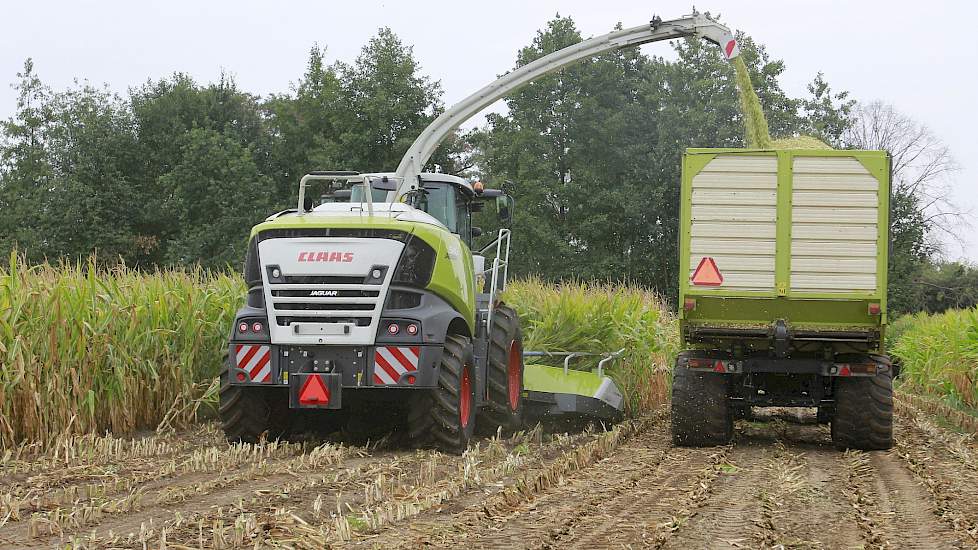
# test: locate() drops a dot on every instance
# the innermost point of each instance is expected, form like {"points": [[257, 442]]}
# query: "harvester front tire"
{"points": [[701, 412], [247, 414], [863, 417], [444, 417], [504, 374]]}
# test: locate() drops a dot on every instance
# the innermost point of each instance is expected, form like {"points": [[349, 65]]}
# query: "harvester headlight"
{"points": [[257, 327], [375, 274], [393, 329], [412, 329], [276, 273], [243, 327], [416, 264]]}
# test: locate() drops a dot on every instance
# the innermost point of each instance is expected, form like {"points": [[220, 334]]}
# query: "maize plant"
{"points": [[88, 349], [940, 354]]}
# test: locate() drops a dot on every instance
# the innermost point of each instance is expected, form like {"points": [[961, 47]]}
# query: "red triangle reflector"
{"points": [[314, 392], [707, 273]]}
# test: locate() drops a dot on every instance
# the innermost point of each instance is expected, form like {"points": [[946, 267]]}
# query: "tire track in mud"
{"points": [[158, 500], [318, 513], [646, 512], [818, 515], [630, 495], [946, 464], [730, 517], [908, 518]]}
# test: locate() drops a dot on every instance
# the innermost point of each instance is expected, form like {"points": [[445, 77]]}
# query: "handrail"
{"points": [[501, 259], [568, 355]]}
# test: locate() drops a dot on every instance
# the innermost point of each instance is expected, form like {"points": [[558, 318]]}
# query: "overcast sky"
{"points": [[920, 57]]}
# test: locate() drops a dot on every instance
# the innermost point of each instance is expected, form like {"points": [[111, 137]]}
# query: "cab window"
{"points": [[447, 204]]}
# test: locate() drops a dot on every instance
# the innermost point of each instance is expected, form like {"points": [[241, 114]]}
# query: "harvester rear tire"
{"points": [[504, 374], [701, 412], [248, 414], [863, 417], [444, 417]]}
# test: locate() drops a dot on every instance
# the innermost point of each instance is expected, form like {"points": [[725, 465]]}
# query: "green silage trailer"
{"points": [[782, 293]]}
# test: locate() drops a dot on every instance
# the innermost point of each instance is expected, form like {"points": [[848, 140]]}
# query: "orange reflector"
{"points": [[689, 304], [874, 309], [707, 273], [314, 392]]}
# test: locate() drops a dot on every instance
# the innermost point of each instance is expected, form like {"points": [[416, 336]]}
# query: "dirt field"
{"points": [[780, 485]]}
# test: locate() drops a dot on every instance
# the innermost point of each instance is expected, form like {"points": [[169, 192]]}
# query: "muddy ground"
{"points": [[781, 484]]}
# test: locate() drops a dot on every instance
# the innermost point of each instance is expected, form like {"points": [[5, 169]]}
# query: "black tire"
{"points": [[863, 417], [701, 412], [504, 408], [248, 414], [435, 416]]}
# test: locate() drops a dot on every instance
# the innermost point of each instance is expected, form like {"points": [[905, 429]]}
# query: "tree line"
{"points": [[175, 172]]}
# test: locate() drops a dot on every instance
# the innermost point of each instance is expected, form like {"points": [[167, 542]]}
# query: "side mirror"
{"points": [[476, 232], [504, 208], [307, 204]]}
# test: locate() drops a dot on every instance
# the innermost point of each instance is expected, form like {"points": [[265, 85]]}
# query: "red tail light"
{"points": [[875, 309]]}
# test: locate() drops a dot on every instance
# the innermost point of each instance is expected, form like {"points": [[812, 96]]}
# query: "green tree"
{"points": [[386, 103], [827, 115], [89, 204], [307, 124], [215, 194], [595, 150], [24, 167], [167, 113], [948, 285]]}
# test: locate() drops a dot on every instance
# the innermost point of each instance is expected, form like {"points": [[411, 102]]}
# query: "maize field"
{"points": [[87, 349], [939, 354]]}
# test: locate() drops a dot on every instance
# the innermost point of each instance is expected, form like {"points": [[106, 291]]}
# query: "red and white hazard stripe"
{"points": [[390, 362], [256, 360]]}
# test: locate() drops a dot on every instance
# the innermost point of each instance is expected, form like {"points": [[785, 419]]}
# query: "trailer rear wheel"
{"points": [[701, 415], [863, 417], [247, 412], [504, 374], [444, 416]]}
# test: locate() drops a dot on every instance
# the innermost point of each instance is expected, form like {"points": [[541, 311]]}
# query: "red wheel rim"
{"points": [[515, 375], [465, 404]]}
